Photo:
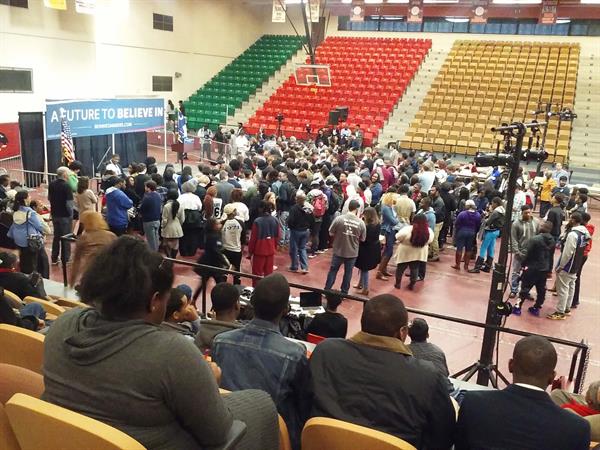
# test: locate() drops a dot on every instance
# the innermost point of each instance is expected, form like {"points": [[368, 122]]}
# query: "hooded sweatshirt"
{"points": [[496, 219], [539, 253], [150, 383], [26, 222], [117, 204], [571, 256]]}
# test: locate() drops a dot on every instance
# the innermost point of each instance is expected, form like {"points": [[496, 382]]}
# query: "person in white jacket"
{"points": [[571, 259]]}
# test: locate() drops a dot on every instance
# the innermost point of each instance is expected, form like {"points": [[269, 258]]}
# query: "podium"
{"points": [[182, 147]]}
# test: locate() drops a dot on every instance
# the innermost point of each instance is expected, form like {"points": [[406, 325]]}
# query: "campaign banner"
{"points": [[106, 116]]}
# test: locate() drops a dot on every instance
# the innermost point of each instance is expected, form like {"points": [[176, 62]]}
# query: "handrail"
{"points": [[581, 352]]}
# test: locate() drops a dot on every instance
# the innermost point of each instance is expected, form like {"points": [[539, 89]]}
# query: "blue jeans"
{"points": [[285, 231], [364, 278], [390, 240], [151, 232], [298, 240], [488, 244], [336, 262], [33, 309], [515, 275]]}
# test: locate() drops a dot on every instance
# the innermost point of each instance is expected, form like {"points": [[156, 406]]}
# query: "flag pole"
{"points": [[45, 148], [113, 144]]}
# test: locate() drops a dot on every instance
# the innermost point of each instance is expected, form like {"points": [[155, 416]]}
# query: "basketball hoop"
{"points": [[312, 75]]}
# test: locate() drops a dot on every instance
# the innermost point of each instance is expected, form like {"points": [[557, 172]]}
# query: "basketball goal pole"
{"points": [[311, 50]]}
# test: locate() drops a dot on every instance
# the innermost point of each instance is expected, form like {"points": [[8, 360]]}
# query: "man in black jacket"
{"points": [[522, 416], [373, 380], [537, 263], [556, 215], [61, 207], [299, 221]]}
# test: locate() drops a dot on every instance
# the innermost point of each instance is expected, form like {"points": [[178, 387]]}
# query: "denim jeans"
{"points": [[364, 278], [151, 232], [488, 244], [336, 262], [62, 226], [314, 237], [298, 240], [33, 309], [285, 231], [515, 275]]}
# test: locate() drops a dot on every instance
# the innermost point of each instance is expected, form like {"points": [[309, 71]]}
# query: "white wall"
{"points": [[116, 51]]}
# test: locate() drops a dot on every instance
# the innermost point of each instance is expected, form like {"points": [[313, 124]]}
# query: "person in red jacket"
{"points": [[263, 241], [590, 227]]}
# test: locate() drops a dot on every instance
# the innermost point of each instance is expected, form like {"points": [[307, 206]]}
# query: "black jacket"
{"points": [[384, 389], [18, 283], [61, 198], [556, 217], [328, 325], [539, 253], [299, 219], [518, 418]]}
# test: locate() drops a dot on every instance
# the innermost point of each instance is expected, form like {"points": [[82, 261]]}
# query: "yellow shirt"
{"points": [[546, 192]]}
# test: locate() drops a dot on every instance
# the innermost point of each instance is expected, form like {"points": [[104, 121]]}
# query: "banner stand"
{"points": [[113, 144], [45, 149]]}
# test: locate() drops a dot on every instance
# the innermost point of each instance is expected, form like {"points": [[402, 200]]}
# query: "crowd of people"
{"points": [[368, 209]]}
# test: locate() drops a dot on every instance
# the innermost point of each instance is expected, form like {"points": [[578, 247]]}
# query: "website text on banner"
{"points": [[106, 116]]}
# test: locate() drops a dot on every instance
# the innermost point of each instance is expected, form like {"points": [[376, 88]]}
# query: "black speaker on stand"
{"points": [[334, 117], [343, 112]]}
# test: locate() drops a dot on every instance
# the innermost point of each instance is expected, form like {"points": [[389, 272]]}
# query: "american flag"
{"points": [[66, 142]]}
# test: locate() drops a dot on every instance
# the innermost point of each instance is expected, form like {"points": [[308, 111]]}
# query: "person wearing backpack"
{"points": [[317, 198], [569, 263]]}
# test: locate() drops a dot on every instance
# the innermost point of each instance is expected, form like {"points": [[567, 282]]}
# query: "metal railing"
{"points": [[27, 178], [579, 358]]}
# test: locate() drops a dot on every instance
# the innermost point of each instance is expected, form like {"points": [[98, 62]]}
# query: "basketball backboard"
{"points": [[312, 75]]}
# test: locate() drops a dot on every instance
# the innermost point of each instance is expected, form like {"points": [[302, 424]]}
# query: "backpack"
{"points": [[319, 206]]}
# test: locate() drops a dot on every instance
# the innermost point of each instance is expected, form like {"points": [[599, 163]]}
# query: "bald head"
{"points": [[384, 315], [271, 297], [533, 361]]}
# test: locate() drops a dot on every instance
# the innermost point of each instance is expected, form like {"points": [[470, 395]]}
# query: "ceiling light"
{"points": [[517, 2], [392, 17], [397, 1], [346, 1], [373, 1], [457, 19], [440, 1], [561, 21], [591, 2]]}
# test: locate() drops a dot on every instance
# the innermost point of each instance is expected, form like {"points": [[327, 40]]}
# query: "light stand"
{"points": [[497, 307], [279, 117], [550, 110]]}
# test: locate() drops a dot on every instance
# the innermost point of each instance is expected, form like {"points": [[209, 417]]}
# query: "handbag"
{"points": [[35, 242]]}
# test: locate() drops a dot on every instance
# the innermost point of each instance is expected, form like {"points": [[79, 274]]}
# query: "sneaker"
{"points": [[513, 295], [556, 316], [303, 271], [312, 256], [292, 270], [55, 263], [318, 252], [516, 310], [534, 311], [567, 312], [574, 306]]}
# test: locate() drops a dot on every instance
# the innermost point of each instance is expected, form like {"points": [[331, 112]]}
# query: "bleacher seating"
{"points": [[483, 84], [238, 80], [369, 75]]}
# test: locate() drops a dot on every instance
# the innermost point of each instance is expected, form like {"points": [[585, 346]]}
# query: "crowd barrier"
{"points": [[579, 359], [28, 178]]}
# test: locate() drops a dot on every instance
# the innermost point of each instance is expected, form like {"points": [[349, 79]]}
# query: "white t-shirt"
{"points": [[231, 235]]}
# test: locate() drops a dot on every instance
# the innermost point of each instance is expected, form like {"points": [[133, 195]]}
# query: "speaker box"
{"points": [[343, 112], [334, 117]]}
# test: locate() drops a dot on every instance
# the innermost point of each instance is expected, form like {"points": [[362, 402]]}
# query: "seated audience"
{"points": [[421, 349], [521, 416], [373, 380], [225, 299], [115, 363], [181, 315], [259, 357], [587, 406], [330, 324], [16, 282], [30, 316]]}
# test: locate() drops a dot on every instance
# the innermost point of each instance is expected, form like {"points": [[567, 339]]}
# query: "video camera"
{"points": [[279, 117]]}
